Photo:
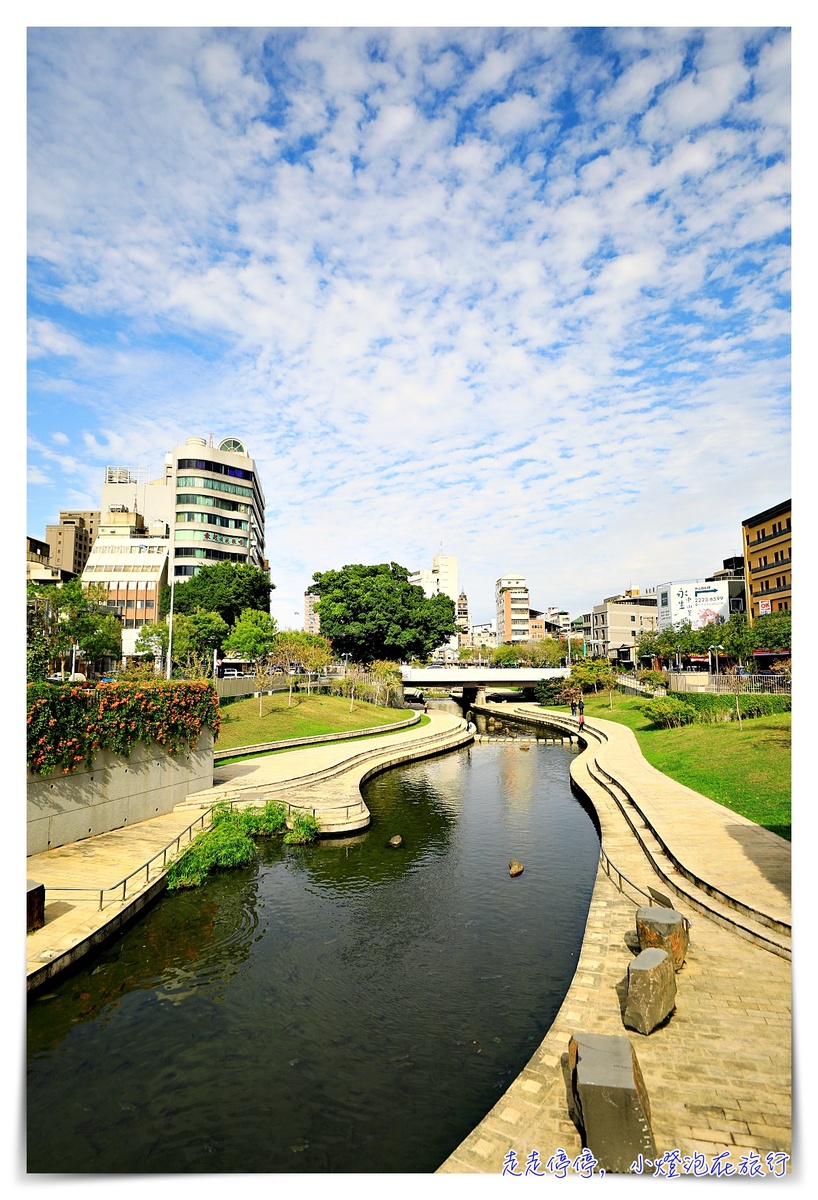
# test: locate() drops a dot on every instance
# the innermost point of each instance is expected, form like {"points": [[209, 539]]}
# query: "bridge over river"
{"points": [[476, 681]]}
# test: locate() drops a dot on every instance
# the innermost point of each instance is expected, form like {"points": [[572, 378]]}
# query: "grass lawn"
{"points": [[306, 717], [747, 770]]}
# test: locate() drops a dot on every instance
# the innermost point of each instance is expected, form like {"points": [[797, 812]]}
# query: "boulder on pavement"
{"points": [[611, 1100], [665, 929], [651, 991]]}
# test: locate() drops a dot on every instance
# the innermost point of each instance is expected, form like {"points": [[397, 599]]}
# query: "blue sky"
{"points": [[518, 293]]}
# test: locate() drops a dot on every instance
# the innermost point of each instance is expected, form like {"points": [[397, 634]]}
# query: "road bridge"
{"points": [[476, 681]]}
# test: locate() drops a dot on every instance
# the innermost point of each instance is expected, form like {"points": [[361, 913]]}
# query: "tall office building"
{"points": [[130, 561], [209, 499], [513, 612]]}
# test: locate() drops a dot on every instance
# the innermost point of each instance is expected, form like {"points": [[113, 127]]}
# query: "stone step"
{"points": [[723, 910]]}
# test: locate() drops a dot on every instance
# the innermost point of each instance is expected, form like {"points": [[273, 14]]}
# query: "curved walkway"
{"points": [[718, 1074]]}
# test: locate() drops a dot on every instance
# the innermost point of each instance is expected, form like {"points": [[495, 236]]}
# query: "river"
{"points": [[342, 1007]]}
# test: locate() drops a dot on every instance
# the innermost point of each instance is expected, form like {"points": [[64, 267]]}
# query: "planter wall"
{"points": [[117, 791]]}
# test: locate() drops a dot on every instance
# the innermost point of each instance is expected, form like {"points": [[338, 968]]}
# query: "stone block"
{"points": [[35, 905], [651, 991], [663, 929], [611, 1100]]}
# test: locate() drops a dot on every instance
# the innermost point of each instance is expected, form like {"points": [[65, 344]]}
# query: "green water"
{"points": [[343, 1007]]}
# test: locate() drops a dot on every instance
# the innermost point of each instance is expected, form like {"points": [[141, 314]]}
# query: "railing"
{"points": [[637, 688], [721, 684], [146, 867]]}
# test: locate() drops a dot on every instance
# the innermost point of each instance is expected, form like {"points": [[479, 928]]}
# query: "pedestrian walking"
{"points": [[581, 706], [582, 720], [573, 706], [425, 706]]}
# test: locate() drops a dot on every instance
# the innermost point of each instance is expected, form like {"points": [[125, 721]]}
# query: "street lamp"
{"points": [[716, 651]]}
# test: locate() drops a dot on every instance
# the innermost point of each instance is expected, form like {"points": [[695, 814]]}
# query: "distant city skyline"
{"points": [[519, 296]]}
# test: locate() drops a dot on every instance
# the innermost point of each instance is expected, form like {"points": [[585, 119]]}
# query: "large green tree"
{"points": [[374, 612], [226, 588]]}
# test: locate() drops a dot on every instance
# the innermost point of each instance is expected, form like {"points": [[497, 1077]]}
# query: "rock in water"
{"points": [[396, 841], [515, 868], [524, 747]]}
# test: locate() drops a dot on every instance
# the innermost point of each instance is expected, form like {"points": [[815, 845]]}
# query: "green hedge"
{"points": [[708, 708], [67, 725]]}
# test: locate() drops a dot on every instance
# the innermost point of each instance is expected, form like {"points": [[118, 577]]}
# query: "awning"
{"points": [[762, 653]]}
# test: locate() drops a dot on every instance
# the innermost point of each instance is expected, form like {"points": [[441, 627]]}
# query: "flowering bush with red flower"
{"points": [[67, 725]]}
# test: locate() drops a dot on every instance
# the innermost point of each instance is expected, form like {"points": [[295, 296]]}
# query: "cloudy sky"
{"points": [[520, 294]]}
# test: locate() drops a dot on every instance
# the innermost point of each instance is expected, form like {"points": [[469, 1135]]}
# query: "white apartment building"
{"points": [[513, 612], [209, 498], [130, 561], [441, 578]]}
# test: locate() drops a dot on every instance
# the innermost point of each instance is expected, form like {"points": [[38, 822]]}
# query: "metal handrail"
{"points": [[146, 867]]}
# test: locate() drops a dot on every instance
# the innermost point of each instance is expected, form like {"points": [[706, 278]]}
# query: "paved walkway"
{"points": [[718, 1074]]}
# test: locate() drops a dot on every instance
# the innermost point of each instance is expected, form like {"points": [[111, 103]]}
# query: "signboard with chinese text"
{"points": [[699, 601]]}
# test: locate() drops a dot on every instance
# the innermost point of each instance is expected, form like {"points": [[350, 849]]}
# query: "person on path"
{"points": [[425, 706], [581, 706], [573, 706]]}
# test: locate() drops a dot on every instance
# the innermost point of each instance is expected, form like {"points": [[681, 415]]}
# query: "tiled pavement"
{"points": [[718, 1073]]}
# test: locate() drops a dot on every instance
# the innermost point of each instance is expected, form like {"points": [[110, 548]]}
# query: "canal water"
{"points": [[342, 1007]]}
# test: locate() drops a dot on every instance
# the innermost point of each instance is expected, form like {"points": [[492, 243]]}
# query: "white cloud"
{"points": [[420, 334]]}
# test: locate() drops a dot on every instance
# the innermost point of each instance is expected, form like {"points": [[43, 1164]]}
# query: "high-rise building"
{"points": [[441, 578], [312, 621], [71, 540], [513, 612], [209, 498], [767, 541]]}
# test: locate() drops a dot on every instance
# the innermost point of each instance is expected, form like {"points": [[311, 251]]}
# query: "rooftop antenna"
{"points": [[210, 441]]}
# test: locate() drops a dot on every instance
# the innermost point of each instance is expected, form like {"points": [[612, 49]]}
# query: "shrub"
{"points": [[228, 842], [304, 830], [550, 691], [223, 845], [669, 713]]}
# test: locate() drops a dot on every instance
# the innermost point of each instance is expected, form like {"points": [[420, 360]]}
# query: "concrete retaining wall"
{"points": [[117, 791]]}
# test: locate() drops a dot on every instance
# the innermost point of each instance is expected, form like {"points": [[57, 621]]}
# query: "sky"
{"points": [[517, 294]]}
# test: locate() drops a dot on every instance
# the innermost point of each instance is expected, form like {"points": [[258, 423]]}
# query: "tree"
{"points": [[252, 636], [285, 653], [67, 615], [593, 673], [226, 588], [374, 612], [252, 639], [194, 638]]}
